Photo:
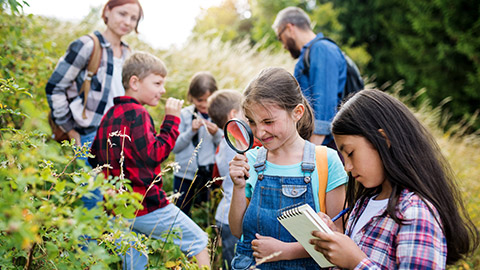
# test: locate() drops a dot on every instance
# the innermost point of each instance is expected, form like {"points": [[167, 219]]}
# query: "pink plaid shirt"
{"points": [[418, 244]]}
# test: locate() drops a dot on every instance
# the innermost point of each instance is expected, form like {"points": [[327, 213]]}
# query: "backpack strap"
{"points": [[92, 69], [322, 169], [306, 55]]}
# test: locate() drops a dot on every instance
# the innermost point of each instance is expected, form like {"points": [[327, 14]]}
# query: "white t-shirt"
{"points": [[372, 209], [116, 89]]}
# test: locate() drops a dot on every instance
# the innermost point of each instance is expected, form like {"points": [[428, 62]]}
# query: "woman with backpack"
{"points": [[87, 78], [78, 112]]}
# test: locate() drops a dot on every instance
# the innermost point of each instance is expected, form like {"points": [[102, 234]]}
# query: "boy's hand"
{"points": [[211, 127], [239, 170], [73, 134], [173, 106]]}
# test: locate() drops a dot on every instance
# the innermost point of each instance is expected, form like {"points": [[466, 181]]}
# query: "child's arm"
{"points": [[158, 146], [335, 199], [239, 169], [264, 246]]}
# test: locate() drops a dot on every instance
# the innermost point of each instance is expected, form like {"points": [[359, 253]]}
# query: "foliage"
{"points": [[41, 218], [43, 223], [222, 21], [432, 44], [235, 21], [14, 5]]}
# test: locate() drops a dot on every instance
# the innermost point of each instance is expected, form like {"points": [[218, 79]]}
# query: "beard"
{"points": [[292, 48]]}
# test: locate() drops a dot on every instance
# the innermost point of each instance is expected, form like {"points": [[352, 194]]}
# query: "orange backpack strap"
{"points": [[322, 169], [92, 68]]}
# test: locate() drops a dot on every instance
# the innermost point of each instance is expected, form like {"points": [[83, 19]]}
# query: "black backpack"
{"points": [[354, 82]]}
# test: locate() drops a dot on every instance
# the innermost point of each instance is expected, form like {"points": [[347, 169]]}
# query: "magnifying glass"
{"points": [[238, 135]]}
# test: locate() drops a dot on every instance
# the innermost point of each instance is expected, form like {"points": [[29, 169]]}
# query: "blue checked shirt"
{"points": [[66, 80]]}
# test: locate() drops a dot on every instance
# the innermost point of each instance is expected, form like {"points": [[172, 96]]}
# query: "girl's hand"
{"points": [[328, 221], [196, 124], [173, 106], [338, 248], [211, 127], [265, 246], [239, 170]]}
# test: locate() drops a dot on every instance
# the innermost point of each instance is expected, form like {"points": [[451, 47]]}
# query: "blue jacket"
{"points": [[323, 88]]}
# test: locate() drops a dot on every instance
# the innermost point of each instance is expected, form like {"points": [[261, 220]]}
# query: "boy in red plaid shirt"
{"points": [[128, 127]]}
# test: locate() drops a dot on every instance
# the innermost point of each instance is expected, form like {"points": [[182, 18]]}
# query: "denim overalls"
{"points": [[271, 194]]}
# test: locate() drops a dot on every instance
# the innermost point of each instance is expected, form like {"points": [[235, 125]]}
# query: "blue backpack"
{"points": [[354, 82]]}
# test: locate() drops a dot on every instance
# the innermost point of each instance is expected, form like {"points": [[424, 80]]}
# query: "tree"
{"points": [[429, 43]]}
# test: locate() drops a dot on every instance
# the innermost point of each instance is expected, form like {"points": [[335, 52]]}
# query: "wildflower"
{"points": [[209, 183]]}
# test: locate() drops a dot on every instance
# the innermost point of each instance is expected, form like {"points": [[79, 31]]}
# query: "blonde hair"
{"points": [[142, 64], [278, 86], [221, 103]]}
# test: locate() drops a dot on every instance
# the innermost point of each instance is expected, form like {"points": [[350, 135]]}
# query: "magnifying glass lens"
{"points": [[238, 135]]}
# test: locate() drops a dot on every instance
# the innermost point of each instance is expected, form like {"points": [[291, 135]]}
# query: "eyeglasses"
{"points": [[279, 36]]}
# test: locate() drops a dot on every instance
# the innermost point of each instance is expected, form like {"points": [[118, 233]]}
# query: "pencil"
{"points": [[343, 212]]}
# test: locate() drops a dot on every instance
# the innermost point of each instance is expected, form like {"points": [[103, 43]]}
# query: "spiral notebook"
{"points": [[300, 221]]}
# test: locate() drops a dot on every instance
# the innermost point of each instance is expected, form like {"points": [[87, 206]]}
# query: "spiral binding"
{"points": [[289, 211]]}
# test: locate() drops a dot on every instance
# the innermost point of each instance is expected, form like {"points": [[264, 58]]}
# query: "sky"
{"points": [[165, 22]]}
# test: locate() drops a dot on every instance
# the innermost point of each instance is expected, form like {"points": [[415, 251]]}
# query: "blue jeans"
{"points": [[270, 195], [95, 196], [228, 244], [192, 238]]}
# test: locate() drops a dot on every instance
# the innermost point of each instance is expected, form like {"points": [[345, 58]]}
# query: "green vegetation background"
{"points": [[429, 62]]}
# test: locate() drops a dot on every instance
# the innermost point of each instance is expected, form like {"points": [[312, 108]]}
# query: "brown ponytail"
{"points": [[278, 86]]}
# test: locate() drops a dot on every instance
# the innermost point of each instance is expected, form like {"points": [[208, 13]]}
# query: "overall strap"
{"points": [[322, 169], [308, 162], [261, 162]]}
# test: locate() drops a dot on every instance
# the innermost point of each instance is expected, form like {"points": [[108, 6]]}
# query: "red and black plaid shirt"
{"points": [[143, 149]]}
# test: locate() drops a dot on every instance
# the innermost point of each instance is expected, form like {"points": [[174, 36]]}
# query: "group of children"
{"points": [[405, 209]]}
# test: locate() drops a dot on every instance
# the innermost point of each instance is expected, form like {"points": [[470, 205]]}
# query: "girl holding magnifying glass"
{"points": [[272, 177]]}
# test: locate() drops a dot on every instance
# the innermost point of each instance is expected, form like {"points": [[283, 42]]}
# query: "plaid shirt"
{"points": [[419, 244], [143, 149], [67, 78]]}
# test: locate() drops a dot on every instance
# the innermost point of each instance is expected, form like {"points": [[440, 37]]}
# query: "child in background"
{"points": [[195, 147], [224, 105], [279, 174], [408, 213], [143, 151]]}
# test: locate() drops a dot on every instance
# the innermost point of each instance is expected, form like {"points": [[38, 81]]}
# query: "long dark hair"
{"points": [[412, 160], [278, 86]]}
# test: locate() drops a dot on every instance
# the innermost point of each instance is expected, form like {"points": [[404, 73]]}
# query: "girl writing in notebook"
{"points": [[279, 174], [407, 211]]}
